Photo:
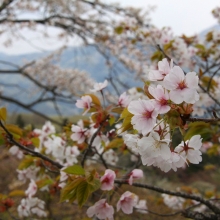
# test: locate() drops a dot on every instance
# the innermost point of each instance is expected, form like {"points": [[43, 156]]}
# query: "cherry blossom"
{"points": [[101, 209], [79, 134], [174, 162], [161, 96], [182, 88], [123, 100], [107, 180], [85, 102], [127, 202], [30, 206], [131, 141], [32, 189], [99, 86], [142, 206], [29, 173], [152, 147], [110, 157], [145, 115], [14, 150], [63, 178], [163, 69], [71, 154], [191, 149], [135, 174], [173, 202]]}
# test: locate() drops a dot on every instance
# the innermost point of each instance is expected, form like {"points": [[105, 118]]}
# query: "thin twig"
{"points": [[33, 153]]}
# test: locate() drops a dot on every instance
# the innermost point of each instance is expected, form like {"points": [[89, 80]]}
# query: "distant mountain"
{"points": [[85, 58]]}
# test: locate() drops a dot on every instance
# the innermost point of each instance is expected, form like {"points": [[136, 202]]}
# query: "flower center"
{"points": [[163, 102], [182, 85], [148, 114]]}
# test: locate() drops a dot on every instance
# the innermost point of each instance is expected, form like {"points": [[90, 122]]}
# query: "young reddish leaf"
{"points": [[75, 169]]}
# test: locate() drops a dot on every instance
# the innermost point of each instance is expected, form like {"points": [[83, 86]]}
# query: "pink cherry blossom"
{"points": [[32, 189], [85, 102], [99, 86], [190, 149], [79, 134], [145, 115], [182, 88], [163, 69], [101, 209], [135, 174], [127, 202], [107, 180], [161, 96], [123, 100]]}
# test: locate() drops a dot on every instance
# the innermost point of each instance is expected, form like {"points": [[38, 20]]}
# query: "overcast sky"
{"points": [[183, 16]]}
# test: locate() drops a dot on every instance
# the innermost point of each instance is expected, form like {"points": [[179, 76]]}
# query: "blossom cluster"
{"points": [[170, 88]]}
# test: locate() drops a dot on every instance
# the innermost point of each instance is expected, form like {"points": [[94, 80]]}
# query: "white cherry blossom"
{"points": [[152, 147], [99, 86], [182, 87], [191, 149]]}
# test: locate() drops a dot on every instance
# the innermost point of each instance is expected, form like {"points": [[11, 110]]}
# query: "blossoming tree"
{"points": [[170, 123]]}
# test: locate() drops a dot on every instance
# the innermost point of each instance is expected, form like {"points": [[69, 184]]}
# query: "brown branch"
{"points": [[30, 151], [209, 204], [91, 142]]}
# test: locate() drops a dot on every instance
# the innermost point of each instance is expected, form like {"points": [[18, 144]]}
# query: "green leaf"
{"points": [[69, 192], [115, 143], [44, 182], [119, 30], [118, 110], [35, 141], [75, 169], [14, 130], [200, 47], [201, 128], [83, 192], [126, 116], [111, 120], [26, 162], [3, 114], [19, 193]]}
